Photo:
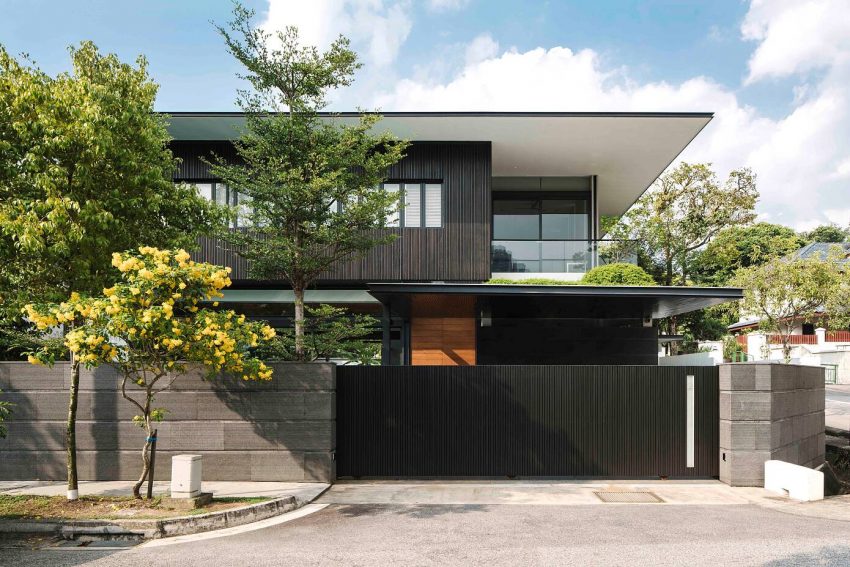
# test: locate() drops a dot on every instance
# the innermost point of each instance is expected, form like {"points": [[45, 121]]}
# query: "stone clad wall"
{"points": [[769, 411], [282, 430]]}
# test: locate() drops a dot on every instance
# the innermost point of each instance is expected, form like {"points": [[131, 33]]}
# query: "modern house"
{"points": [[486, 195]]}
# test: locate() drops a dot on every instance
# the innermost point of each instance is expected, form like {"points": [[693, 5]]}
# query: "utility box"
{"points": [[186, 472]]}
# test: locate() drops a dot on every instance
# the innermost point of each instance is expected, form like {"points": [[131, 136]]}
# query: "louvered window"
{"points": [[422, 205]]}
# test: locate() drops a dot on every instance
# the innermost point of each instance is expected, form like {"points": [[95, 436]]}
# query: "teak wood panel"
{"points": [[442, 330]]}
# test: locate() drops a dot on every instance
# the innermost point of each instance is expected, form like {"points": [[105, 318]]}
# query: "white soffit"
{"points": [[626, 151]]}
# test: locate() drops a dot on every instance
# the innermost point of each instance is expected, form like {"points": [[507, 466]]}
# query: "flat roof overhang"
{"points": [[659, 301], [627, 151]]}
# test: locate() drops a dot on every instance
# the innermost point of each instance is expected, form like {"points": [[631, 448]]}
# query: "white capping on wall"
{"points": [[800, 483]]}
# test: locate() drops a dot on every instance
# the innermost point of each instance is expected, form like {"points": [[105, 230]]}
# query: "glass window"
{"points": [[205, 190], [516, 219], [564, 219], [541, 217]]}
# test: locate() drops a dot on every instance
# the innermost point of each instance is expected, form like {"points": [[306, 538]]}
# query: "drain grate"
{"points": [[629, 497]]}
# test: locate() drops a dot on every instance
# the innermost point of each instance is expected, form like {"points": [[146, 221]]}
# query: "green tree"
{"points": [[785, 291], [149, 326], [329, 332], [617, 274], [312, 180], [85, 171], [683, 211], [828, 233], [741, 247]]}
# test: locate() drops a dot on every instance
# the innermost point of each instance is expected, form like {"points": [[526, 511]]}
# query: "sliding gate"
{"points": [[527, 421]]}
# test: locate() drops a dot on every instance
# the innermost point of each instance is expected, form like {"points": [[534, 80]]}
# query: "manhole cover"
{"points": [[629, 497]]}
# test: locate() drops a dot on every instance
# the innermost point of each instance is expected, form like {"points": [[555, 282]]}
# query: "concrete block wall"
{"points": [[282, 430], [769, 411]]}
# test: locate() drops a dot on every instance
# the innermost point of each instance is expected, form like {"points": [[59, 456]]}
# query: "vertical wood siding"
{"points": [[525, 421], [459, 251]]}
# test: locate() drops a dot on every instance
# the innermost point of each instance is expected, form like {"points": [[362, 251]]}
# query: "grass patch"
{"points": [[105, 507]]}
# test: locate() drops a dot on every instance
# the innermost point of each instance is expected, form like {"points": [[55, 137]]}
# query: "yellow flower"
{"points": [[135, 290], [33, 360]]}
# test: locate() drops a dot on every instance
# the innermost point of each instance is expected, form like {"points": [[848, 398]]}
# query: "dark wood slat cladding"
{"points": [[459, 251], [525, 421], [191, 166]]}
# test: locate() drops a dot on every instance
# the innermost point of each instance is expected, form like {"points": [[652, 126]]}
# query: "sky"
{"points": [[776, 73]]}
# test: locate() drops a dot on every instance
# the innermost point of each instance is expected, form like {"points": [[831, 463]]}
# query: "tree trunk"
{"points": [[71, 430], [786, 349], [146, 459], [674, 346], [298, 290]]}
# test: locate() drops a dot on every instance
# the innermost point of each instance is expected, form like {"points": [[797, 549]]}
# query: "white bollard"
{"points": [[186, 474], [800, 483]]}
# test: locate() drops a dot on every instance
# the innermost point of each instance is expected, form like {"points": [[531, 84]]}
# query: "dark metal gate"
{"points": [[527, 421]]}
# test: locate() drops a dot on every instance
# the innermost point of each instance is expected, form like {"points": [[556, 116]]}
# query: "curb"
{"points": [[155, 529]]}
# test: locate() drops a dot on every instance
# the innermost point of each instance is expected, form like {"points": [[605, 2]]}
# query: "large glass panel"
{"points": [[412, 205], [516, 219], [564, 219]]}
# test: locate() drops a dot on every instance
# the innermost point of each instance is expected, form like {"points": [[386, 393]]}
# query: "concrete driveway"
{"points": [[511, 523]]}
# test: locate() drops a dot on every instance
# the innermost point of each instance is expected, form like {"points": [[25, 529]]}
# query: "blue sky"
{"points": [[775, 72]]}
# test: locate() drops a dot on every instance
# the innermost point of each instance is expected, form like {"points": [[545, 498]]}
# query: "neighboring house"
{"points": [[508, 195], [810, 342]]}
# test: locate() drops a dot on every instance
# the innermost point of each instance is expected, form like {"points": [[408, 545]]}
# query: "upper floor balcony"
{"points": [[569, 259]]}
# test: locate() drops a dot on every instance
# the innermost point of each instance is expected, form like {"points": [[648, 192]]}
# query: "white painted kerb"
{"points": [[800, 483]]}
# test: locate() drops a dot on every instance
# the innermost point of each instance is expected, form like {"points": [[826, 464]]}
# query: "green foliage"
{"points": [[295, 166], [150, 325], [741, 247], [682, 212], [732, 351], [5, 412], [784, 291], [618, 274], [530, 281], [828, 233], [85, 171], [703, 325], [330, 332], [17, 338]]}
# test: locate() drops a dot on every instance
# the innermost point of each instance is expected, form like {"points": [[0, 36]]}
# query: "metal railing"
{"points": [[559, 256]]}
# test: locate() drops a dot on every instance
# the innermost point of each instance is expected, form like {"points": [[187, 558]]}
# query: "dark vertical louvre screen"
{"points": [[524, 421]]}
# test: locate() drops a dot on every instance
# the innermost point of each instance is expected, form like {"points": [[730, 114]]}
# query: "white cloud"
{"points": [[377, 29], [481, 48], [802, 159], [447, 5], [796, 36]]}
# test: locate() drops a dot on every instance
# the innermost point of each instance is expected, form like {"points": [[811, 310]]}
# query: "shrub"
{"points": [[530, 281], [617, 274]]}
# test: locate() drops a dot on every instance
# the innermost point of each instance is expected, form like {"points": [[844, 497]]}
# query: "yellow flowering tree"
{"points": [[150, 325]]}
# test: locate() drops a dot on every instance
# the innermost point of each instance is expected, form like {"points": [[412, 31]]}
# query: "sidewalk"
{"points": [[304, 492]]}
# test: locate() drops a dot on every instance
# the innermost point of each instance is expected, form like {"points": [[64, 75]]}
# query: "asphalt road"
{"points": [[389, 535], [838, 406]]}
